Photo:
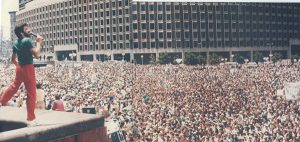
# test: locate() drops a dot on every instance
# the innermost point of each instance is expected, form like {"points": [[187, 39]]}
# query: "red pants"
{"points": [[24, 74]]}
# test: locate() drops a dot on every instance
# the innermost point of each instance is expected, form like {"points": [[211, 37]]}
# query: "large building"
{"points": [[94, 29], [13, 36], [22, 4]]}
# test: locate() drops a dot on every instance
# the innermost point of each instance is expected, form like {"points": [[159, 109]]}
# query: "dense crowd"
{"points": [[164, 103]]}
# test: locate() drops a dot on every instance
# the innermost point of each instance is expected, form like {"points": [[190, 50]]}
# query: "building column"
{"points": [[207, 58], [131, 56], [289, 52], [230, 56], [94, 57], [156, 56], [78, 57], [54, 55], [112, 57], [251, 56]]}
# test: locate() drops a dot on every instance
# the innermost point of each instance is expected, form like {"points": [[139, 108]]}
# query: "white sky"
{"points": [[5, 7], [12, 5]]}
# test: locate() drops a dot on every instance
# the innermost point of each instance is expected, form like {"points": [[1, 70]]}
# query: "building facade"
{"points": [[22, 4], [94, 29], [13, 36]]}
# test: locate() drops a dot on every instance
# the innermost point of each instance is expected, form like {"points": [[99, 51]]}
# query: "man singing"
{"points": [[23, 50]]}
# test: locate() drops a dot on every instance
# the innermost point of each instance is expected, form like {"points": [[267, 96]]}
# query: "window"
{"points": [[144, 26], [169, 35], [135, 35], [134, 26], [152, 17], [143, 17], [144, 35], [160, 17], [151, 26], [143, 8], [169, 26]]}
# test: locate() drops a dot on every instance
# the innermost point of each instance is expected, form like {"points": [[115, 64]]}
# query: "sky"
{"points": [[5, 7]]}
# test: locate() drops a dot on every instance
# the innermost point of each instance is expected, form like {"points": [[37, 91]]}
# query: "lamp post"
{"points": [[142, 56], [270, 55]]}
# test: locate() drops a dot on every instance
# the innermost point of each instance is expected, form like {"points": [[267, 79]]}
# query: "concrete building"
{"points": [[94, 29], [22, 4], [13, 37]]}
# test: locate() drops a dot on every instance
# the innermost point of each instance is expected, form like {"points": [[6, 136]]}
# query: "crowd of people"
{"points": [[178, 103]]}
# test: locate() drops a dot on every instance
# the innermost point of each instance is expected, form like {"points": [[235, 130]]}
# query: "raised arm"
{"points": [[37, 50]]}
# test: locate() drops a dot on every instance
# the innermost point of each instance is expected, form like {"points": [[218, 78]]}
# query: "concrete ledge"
{"points": [[52, 126]]}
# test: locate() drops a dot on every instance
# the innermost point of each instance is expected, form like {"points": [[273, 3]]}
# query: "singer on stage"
{"points": [[23, 50]]}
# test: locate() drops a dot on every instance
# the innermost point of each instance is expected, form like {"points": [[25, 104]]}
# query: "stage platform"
{"points": [[53, 126]]}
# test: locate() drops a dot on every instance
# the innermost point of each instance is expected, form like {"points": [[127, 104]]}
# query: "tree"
{"points": [[201, 59], [191, 59], [214, 59], [277, 56], [166, 58], [295, 56], [152, 59], [194, 58], [238, 58], [258, 57]]}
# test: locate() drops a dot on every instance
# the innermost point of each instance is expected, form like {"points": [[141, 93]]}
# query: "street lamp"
{"points": [[142, 56], [270, 55]]}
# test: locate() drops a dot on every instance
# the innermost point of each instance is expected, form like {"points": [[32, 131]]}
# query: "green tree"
{"points": [[295, 56], [166, 58], [277, 56], [214, 59], [152, 59], [201, 59], [258, 57], [238, 58], [191, 58]]}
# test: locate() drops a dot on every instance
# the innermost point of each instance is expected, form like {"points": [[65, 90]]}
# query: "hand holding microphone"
{"points": [[39, 39]]}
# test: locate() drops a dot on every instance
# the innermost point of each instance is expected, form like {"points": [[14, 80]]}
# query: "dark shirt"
{"points": [[22, 49]]}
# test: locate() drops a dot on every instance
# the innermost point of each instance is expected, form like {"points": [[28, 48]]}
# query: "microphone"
{"points": [[33, 34]]}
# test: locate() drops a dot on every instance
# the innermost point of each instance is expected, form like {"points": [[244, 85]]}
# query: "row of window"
{"points": [[201, 44], [179, 44], [61, 6], [75, 15], [217, 25], [212, 16], [255, 7]]}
